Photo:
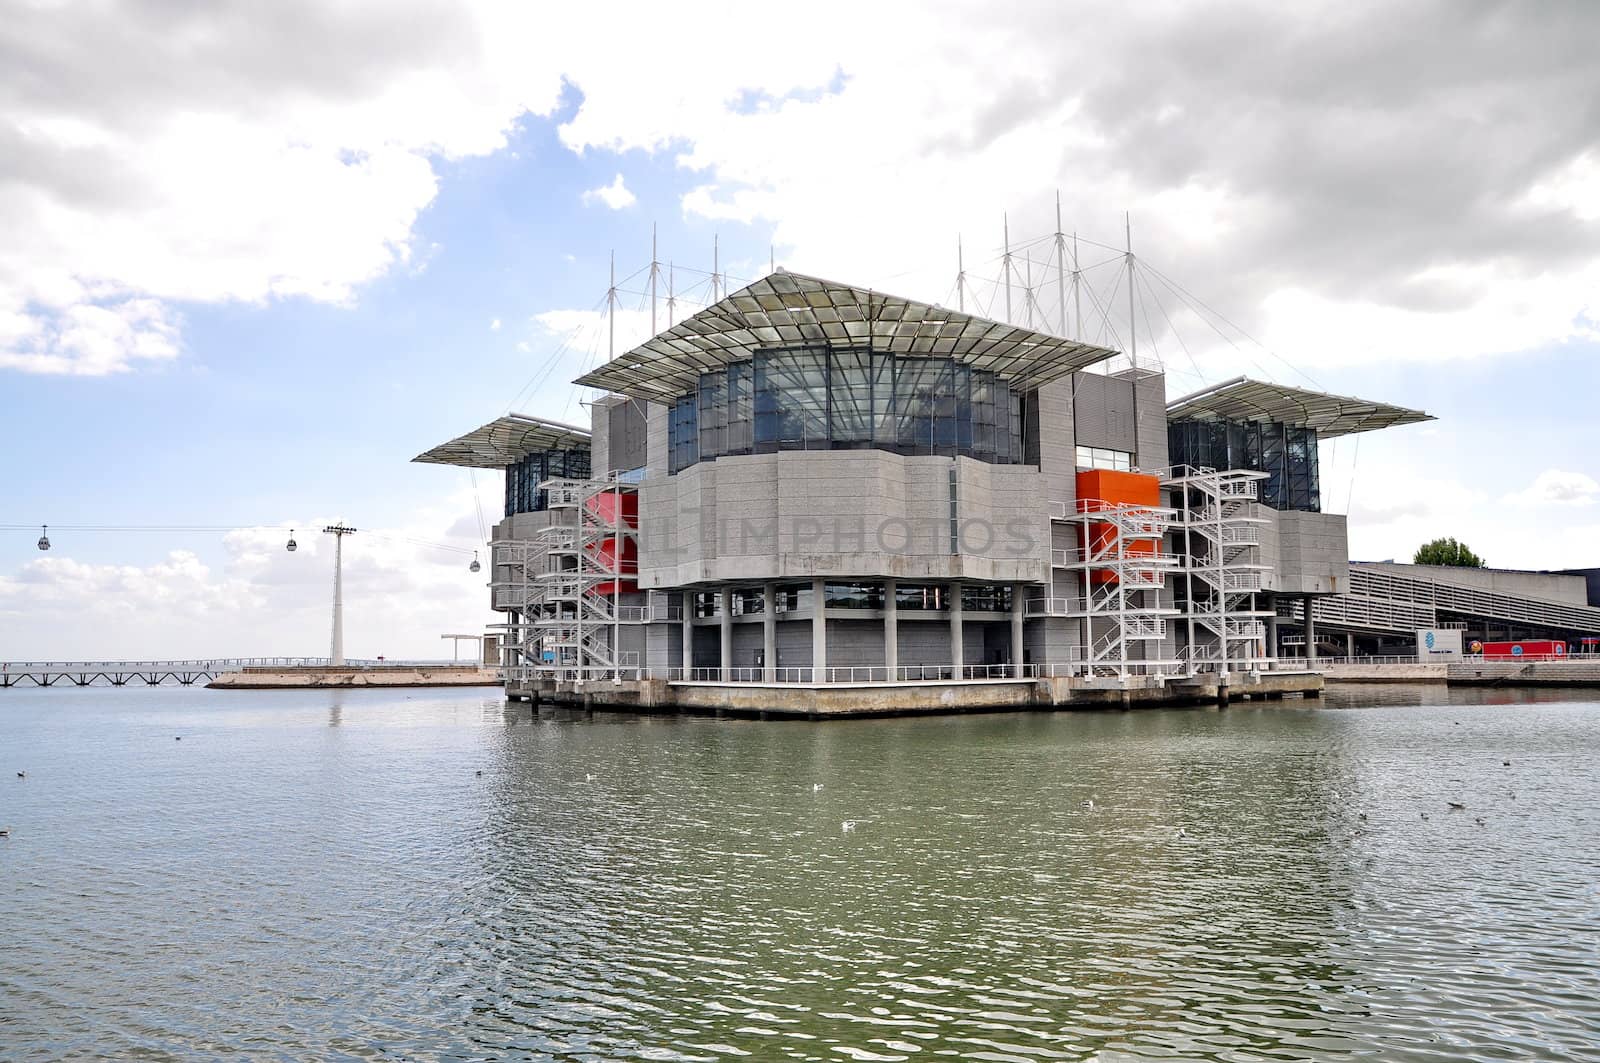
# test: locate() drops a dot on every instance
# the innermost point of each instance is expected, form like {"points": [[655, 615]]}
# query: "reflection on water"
{"points": [[315, 874]]}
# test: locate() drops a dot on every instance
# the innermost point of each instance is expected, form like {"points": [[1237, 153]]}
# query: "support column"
{"points": [[687, 619], [769, 632], [819, 631], [957, 643], [1311, 629], [1272, 628], [1018, 602], [1349, 643], [891, 630], [725, 624]]}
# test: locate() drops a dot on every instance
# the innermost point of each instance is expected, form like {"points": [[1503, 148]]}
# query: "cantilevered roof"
{"points": [[505, 441], [784, 309], [1243, 399]]}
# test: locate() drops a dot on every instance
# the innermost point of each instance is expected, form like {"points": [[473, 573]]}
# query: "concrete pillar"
{"points": [[1018, 602], [725, 628], [1272, 628], [1311, 630], [769, 632], [819, 630], [957, 642], [1349, 643], [687, 619], [891, 630]]}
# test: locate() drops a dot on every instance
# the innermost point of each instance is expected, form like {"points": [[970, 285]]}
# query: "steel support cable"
{"points": [[1196, 300], [1178, 293], [197, 528]]}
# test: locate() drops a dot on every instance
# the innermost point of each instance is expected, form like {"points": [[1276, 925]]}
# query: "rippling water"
{"points": [[327, 875]]}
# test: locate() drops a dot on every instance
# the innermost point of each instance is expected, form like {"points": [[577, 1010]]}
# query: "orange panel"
{"points": [[1124, 488], [1114, 487]]}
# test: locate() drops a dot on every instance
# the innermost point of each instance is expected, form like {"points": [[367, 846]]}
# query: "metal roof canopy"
{"points": [[786, 309], [505, 441], [1243, 399]]}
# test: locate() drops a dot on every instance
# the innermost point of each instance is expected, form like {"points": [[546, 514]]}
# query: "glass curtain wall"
{"points": [[1286, 453], [821, 398], [523, 478]]}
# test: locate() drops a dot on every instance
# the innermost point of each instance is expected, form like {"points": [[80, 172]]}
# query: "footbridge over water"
{"points": [[149, 673]]}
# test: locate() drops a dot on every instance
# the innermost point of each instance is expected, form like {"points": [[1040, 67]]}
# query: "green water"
{"points": [[327, 875]]}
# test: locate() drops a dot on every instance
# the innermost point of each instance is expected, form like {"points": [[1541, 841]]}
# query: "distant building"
{"points": [[811, 482]]}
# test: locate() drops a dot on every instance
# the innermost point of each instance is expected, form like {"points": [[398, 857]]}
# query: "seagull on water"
{"points": [[1424, 815], [22, 775], [847, 826], [1456, 806], [815, 787], [588, 778]]}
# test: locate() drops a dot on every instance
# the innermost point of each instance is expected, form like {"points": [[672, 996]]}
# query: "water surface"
{"points": [[328, 875]]}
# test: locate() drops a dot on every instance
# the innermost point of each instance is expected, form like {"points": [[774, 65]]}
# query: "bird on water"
{"points": [[1455, 806], [847, 826]]}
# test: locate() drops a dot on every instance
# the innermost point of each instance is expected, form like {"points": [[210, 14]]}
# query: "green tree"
{"points": [[1447, 552]]}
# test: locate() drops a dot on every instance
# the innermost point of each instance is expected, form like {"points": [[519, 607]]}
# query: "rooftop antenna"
{"points": [[961, 277], [338, 531], [611, 309], [1005, 263]]}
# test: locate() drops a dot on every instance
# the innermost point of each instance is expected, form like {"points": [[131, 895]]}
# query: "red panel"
{"points": [[603, 507], [606, 556]]}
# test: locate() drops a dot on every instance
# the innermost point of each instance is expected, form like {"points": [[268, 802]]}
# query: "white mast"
{"points": [[716, 259], [338, 531], [1005, 263], [1061, 271], [655, 271], [1133, 332], [1133, 340], [611, 309], [672, 299], [961, 277], [1077, 295]]}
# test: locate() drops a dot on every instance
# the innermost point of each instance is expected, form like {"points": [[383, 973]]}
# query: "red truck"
{"points": [[1527, 650]]}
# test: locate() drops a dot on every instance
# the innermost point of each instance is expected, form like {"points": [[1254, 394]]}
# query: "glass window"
{"points": [[523, 479], [850, 397], [707, 603], [986, 598], [793, 598], [741, 384], [1104, 458], [747, 603], [919, 596], [812, 398], [854, 595]]}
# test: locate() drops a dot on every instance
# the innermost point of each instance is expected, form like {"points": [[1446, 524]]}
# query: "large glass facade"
{"points": [[523, 478], [1286, 453], [824, 398]]}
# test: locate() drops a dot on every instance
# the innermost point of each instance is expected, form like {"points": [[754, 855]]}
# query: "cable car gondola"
{"points": [[292, 545], [44, 537], [474, 567]]}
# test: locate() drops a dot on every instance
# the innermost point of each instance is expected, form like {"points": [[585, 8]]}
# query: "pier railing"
{"points": [[184, 672]]}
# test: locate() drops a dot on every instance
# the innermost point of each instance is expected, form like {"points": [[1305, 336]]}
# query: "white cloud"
{"points": [[198, 155], [494, 326], [614, 195], [258, 600], [151, 156], [1558, 487]]}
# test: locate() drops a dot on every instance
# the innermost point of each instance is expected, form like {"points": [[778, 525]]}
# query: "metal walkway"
{"points": [[153, 673]]}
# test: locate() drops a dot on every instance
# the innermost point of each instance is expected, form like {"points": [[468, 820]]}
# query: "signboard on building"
{"points": [[1438, 644]]}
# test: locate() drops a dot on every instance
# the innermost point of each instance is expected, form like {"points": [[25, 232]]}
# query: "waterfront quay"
{"points": [[856, 693]]}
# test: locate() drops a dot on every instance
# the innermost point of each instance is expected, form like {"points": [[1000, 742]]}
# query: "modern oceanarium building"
{"points": [[813, 485]]}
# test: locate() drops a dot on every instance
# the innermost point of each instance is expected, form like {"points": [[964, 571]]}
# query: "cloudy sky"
{"points": [[258, 256]]}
